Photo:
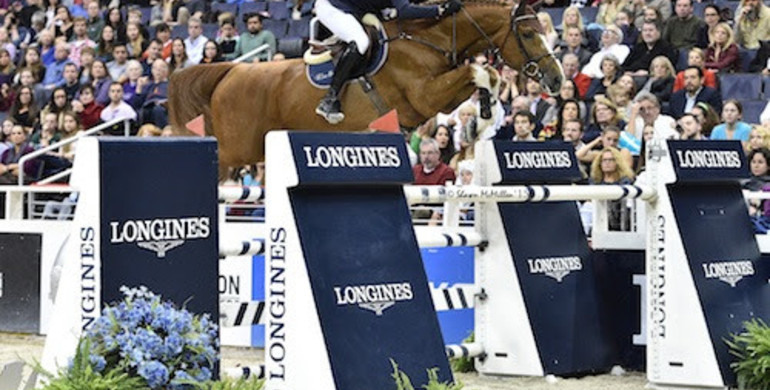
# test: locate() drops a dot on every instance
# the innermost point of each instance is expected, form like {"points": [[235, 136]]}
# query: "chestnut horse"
{"points": [[241, 102]]}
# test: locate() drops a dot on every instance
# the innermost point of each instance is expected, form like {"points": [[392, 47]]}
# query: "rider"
{"points": [[341, 17]]}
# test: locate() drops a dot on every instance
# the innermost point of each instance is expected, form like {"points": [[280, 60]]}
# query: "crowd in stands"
{"points": [[69, 65], [675, 69]]}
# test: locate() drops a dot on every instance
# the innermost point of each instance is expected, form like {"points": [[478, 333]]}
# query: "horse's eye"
{"points": [[528, 34]]}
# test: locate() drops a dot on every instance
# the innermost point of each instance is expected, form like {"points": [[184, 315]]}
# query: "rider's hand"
{"points": [[450, 7]]}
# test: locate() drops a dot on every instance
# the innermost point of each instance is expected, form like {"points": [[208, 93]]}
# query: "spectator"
{"points": [[254, 38], [24, 111], [538, 105], [661, 81], [54, 73], [569, 110], [117, 67], [697, 58], [711, 17], [681, 31], [106, 43], [117, 109], [551, 37], [87, 109], [707, 117], [9, 160], [430, 170], [752, 24], [759, 165], [80, 40], [71, 83], [638, 62], [62, 25], [152, 53], [653, 14], [523, 126], [6, 43], [572, 132], [48, 133], [690, 128], [759, 137], [135, 16], [101, 82], [573, 44], [27, 79], [464, 125], [163, 33], [610, 167], [161, 13], [134, 71], [7, 96], [47, 47], [611, 38], [604, 113], [94, 23], [86, 63], [227, 38], [568, 91], [642, 10], [71, 129], [609, 138], [7, 69], [732, 127], [115, 20], [646, 111], [31, 60], [722, 53], [571, 17], [152, 95], [58, 104], [621, 98], [136, 43], [683, 101], [624, 21], [508, 87], [25, 15], [608, 10], [178, 59], [445, 144], [211, 53], [195, 41], [572, 72], [610, 71]]}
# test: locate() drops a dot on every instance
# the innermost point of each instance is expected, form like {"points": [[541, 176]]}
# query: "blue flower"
{"points": [[155, 373], [97, 362]]}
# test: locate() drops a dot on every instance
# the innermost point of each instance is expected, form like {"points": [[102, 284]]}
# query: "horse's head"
{"points": [[525, 39]]}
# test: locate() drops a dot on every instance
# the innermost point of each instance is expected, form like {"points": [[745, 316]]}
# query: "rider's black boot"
{"points": [[330, 107]]}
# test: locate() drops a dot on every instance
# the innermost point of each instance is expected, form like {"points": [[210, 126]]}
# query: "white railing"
{"points": [[263, 48], [29, 156]]}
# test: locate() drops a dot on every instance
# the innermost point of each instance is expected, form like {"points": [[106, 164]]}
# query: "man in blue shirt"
{"points": [[54, 73]]}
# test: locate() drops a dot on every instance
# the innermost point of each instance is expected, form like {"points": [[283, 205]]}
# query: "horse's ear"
{"points": [[520, 8]]}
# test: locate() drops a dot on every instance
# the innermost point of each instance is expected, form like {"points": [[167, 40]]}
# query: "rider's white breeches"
{"points": [[343, 25]]}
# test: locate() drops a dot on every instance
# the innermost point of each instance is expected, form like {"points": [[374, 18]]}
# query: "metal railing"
{"points": [[265, 48], [29, 156]]}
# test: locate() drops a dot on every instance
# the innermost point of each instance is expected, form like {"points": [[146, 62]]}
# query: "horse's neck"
{"points": [[469, 40]]}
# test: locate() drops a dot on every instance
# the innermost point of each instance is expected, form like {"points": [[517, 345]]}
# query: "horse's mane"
{"points": [[426, 23]]}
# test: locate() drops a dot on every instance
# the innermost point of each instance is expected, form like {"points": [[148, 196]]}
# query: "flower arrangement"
{"points": [[168, 347], [751, 349]]}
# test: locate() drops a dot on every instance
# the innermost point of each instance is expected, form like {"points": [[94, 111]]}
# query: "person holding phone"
{"points": [[752, 21]]}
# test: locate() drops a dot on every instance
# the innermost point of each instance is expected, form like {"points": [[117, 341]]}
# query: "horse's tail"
{"points": [[190, 92]]}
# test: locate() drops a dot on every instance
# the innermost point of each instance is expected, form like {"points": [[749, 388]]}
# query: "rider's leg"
{"points": [[347, 28]]}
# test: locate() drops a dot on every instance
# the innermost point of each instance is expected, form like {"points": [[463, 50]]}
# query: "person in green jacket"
{"points": [[254, 38]]}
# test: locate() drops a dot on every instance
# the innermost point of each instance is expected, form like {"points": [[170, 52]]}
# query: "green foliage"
{"points": [[252, 383], [752, 348], [464, 364], [82, 376], [404, 383]]}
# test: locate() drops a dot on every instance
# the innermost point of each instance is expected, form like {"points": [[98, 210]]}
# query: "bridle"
{"points": [[531, 67]]}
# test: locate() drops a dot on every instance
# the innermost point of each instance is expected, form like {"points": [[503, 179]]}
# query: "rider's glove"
{"points": [[450, 7]]}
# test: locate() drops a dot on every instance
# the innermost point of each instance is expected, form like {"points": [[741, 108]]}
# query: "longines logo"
{"points": [[160, 235], [555, 267], [730, 272], [374, 297], [537, 160], [708, 159], [352, 156]]}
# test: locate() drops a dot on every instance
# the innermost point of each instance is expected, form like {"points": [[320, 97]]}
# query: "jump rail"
{"points": [[524, 194]]}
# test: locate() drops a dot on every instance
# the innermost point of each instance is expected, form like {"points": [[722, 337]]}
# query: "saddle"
{"points": [[322, 54]]}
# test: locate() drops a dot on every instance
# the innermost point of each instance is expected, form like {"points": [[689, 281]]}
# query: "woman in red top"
{"points": [[722, 53]]}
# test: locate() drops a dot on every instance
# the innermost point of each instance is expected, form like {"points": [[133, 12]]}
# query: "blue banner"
{"points": [[708, 161], [537, 162]]}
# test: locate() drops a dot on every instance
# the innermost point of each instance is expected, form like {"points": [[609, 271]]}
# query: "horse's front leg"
{"points": [[447, 90]]}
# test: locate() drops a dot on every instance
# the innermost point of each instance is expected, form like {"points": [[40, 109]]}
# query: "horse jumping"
{"points": [[241, 102]]}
